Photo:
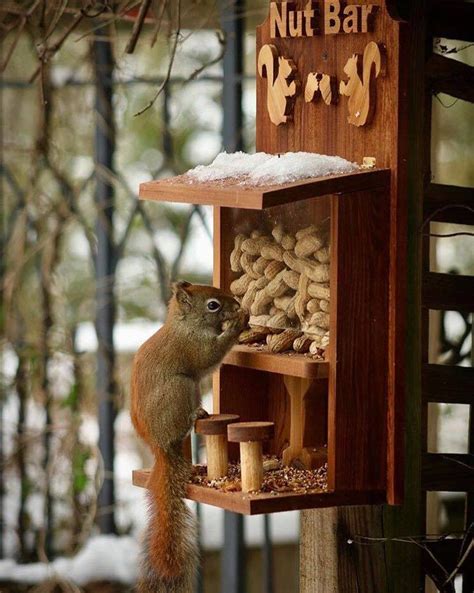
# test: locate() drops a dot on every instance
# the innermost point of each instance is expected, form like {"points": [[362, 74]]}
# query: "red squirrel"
{"points": [[201, 326]]}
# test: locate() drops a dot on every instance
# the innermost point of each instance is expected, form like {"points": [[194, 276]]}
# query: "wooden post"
{"points": [[251, 464], [217, 457], [330, 563]]}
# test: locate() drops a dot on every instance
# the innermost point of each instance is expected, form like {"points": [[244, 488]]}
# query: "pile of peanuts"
{"points": [[284, 285]]}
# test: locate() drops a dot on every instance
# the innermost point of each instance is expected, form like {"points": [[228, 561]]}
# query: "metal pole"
{"points": [[231, 12], [232, 23], [105, 276], [267, 556]]}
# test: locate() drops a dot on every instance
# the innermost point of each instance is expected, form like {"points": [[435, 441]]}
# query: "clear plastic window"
{"points": [[280, 266]]}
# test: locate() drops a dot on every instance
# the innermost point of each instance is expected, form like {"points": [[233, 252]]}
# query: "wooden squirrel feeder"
{"points": [[214, 430], [319, 261], [250, 435]]}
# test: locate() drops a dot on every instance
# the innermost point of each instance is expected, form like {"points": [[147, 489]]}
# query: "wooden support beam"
{"points": [[451, 472], [446, 75], [449, 203], [448, 292], [448, 384], [452, 20], [327, 534]]}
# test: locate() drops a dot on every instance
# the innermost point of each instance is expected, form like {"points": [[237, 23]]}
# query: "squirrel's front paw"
{"points": [[200, 413], [236, 323]]}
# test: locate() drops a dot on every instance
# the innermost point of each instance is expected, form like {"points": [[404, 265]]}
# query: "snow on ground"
{"points": [[128, 337], [104, 557], [117, 558], [262, 168]]}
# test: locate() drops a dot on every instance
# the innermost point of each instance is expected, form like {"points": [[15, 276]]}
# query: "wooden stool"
{"points": [[214, 429], [250, 435]]}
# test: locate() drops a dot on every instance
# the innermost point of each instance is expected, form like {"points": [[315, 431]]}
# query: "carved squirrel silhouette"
{"points": [[318, 84], [282, 87], [360, 89]]}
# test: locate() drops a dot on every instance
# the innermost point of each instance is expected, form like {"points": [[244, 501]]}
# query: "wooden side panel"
{"points": [[359, 347], [316, 420]]}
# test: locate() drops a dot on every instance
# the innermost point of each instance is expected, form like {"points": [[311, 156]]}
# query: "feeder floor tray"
{"points": [[268, 502], [286, 363]]}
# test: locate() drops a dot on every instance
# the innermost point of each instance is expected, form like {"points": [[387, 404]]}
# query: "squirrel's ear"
{"points": [[182, 295]]}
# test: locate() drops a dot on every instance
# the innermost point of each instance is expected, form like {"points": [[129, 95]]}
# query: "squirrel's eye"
{"points": [[213, 305]]}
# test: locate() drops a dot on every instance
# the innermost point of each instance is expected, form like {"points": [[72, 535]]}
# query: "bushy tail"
{"points": [[170, 554]]}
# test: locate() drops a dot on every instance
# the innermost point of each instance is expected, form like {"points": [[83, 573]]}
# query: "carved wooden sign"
{"points": [[284, 77], [330, 18]]}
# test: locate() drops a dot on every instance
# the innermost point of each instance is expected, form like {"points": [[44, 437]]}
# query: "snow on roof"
{"points": [[262, 168]]}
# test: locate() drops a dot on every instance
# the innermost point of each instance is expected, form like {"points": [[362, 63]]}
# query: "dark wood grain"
{"points": [[236, 195], [448, 384], [448, 292], [449, 203], [451, 472], [316, 415], [358, 370]]}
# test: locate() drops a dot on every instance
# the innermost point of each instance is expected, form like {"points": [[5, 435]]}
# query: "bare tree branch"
{"points": [[137, 26], [170, 64]]}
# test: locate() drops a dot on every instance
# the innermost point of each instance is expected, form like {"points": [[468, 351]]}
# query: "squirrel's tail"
{"points": [[170, 554]]}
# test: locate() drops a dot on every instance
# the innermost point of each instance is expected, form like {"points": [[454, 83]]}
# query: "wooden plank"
{"points": [[358, 351], [296, 365], [235, 195], [448, 384], [254, 504], [451, 472], [446, 75], [452, 20], [449, 203], [448, 292]]}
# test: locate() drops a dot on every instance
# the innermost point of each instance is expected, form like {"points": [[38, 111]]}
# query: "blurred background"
{"points": [[86, 271]]}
